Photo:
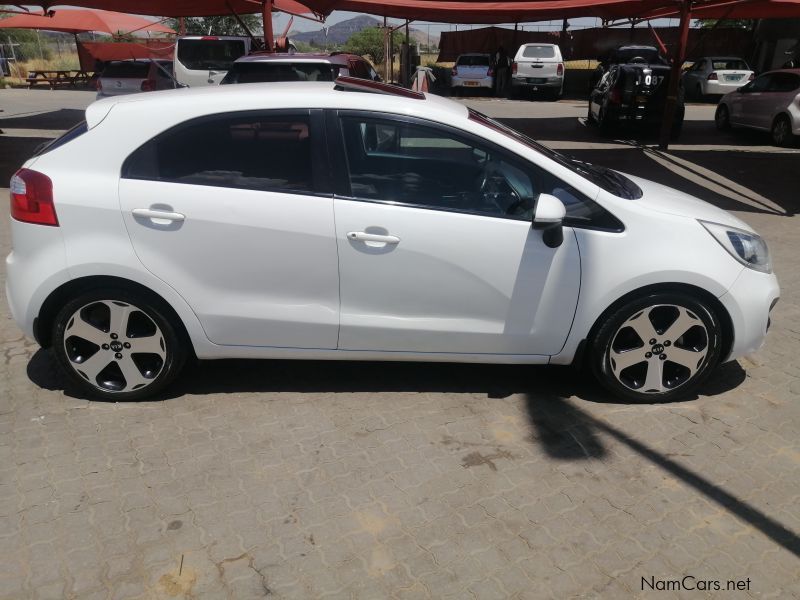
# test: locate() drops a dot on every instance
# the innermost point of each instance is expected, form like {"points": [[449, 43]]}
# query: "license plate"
{"points": [[536, 80], [471, 83], [733, 77]]}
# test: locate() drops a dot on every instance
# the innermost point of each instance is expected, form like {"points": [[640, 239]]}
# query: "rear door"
{"points": [[124, 77], [779, 95], [473, 67], [538, 61], [746, 103], [231, 211]]}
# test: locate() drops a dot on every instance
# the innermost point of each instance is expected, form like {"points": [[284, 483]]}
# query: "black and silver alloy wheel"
{"points": [[782, 131], [116, 346], [658, 348]]}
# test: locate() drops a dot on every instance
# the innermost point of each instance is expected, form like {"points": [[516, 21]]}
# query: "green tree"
{"points": [[367, 42], [218, 25]]}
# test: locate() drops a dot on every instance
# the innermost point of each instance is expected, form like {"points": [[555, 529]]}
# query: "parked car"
{"points": [[633, 93], [262, 67], [360, 221], [716, 76], [131, 76], [771, 102], [205, 59], [472, 71], [538, 67], [623, 55]]}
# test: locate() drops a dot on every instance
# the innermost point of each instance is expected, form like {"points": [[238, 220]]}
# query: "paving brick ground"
{"points": [[358, 480]]}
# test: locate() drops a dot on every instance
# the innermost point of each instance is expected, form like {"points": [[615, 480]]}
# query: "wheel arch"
{"points": [[720, 311], [43, 323]]}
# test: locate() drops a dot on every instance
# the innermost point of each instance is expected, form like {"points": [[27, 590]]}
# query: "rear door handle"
{"points": [[164, 215], [363, 236]]}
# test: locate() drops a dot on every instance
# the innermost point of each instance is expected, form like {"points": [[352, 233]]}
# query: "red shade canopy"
{"points": [[82, 20], [185, 8]]}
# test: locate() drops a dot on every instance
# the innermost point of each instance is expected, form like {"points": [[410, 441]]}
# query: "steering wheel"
{"points": [[492, 183]]}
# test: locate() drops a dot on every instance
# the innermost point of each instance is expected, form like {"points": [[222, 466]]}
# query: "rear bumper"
{"points": [[468, 82], [537, 82], [717, 88], [652, 115]]}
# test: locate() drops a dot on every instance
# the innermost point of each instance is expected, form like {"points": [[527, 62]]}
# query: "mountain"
{"points": [[339, 33]]}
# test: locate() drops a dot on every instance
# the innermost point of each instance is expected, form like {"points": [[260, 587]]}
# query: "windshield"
{"points": [[201, 55], [539, 52], [473, 60], [260, 72], [609, 180]]}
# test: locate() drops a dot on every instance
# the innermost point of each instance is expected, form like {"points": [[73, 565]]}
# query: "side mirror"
{"points": [[548, 218]]}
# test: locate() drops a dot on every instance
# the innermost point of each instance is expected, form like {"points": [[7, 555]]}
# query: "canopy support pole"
{"points": [[269, 38], [675, 75], [386, 52]]}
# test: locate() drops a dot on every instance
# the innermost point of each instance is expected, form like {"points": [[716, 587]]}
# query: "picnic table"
{"points": [[54, 78]]}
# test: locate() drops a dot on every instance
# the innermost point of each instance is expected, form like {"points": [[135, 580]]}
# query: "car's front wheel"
{"points": [[117, 345], [657, 348], [722, 118]]}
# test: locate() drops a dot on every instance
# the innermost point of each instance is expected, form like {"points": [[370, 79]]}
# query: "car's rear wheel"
{"points": [[782, 131], [117, 345], [657, 348], [722, 118]]}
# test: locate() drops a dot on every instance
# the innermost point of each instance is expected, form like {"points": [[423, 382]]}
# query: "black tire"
{"points": [[703, 336], [156, 370], [589, 116], [782, 132], [722, 118], [603, 123]]}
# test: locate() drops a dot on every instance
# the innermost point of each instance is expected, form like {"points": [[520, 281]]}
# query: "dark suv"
{"points": [[632, 89], [261, 67]]}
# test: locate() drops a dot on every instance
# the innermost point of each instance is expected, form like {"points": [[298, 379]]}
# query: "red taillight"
{"points": [[32, 198], [490, 72], [454, 72], [514, 68], [615, 97], [752, 76], [560, 69], [148, 85], [712, 77]]}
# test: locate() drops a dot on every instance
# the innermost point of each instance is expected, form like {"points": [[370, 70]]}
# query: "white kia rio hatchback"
{"points": [[355, 220]]}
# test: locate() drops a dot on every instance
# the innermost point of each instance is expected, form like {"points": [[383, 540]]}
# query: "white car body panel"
{"points": [[538, 72], [476, 304]]}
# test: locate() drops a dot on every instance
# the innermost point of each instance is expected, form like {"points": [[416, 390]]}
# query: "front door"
{"points": [[228, 210], [436, 249]]}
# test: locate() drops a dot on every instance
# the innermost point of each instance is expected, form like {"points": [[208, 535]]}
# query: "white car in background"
{"points": [[353, 220], [472, 72], [716, 76], [202, 60], [771, 102], [121, 77], [538, 67]]}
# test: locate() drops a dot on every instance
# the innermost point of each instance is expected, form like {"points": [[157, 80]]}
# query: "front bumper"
{"points": [[749, 302]]}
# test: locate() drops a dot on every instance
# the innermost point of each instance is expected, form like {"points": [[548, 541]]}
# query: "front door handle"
{"points": [[363, 236], [164, 215]]}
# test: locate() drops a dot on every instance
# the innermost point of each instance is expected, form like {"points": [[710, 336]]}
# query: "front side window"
{"points": [[271, 153], [395, 161]]}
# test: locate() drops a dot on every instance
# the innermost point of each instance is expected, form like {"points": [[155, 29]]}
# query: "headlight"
{"points": [[746, 247]]}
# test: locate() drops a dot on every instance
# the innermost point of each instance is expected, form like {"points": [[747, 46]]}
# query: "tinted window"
{"points": [[260, 72], [473, 60], [729, 65], [250, 152], [127, 70], [539, 52], [759, 84], [209, 54], [393, 161], [784, 82]]}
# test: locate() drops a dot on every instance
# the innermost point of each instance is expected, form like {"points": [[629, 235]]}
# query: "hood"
{"points": [[663, 199]]}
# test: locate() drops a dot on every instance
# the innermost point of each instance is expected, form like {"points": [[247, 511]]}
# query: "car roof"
{"points": [[335, 58], [188, 103], [793, 71], [539, 44]]}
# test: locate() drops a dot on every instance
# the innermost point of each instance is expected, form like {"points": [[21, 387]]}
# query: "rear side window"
{"points": [[729, 65], [246, 72], [481, 60], [784, 82], [201, 55], [539, 52], [256, 152], [127, 70], [76, 131]]}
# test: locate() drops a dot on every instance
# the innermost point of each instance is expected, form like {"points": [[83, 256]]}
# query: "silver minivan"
{"points": [[538, 67]]}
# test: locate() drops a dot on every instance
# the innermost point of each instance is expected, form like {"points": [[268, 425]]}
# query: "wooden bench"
{"points": [[55, 78]]}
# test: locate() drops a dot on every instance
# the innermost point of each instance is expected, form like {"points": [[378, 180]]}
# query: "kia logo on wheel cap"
{"points": [[116, 346], [657, 349]]}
